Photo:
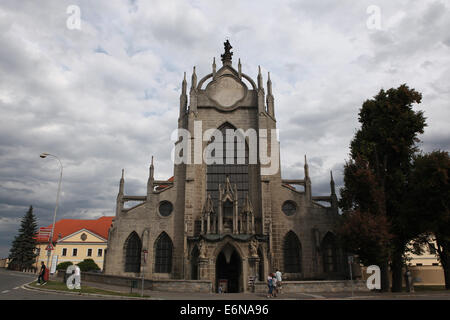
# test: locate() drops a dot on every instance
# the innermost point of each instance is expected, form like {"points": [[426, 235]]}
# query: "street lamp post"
{"points": [[45, 155]]}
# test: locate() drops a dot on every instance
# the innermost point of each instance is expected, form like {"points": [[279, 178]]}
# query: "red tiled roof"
{"points": [[66, 227], [163, 186]]}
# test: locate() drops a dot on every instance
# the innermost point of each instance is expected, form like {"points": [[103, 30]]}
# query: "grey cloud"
{"points": [[58, 95]]}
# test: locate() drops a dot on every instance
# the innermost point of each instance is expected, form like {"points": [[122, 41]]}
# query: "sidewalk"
{"points": [[284, 296]]}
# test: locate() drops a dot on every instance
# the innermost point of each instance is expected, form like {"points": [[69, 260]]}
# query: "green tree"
{"points": [[387, 142], [64, 265], [23, 250], [88, 265], [364, 227], [430, 198]]}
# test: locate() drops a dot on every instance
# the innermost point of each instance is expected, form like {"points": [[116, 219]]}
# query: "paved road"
{"points": [[11, 288]]}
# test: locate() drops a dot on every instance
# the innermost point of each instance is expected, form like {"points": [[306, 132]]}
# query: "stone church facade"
{"points": [[234, 223]]}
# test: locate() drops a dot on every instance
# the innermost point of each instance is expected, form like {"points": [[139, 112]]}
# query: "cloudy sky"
{"points": [[105, 96]]}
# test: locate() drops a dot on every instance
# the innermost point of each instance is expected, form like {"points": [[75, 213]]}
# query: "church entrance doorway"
{"points": [[229, 270]]}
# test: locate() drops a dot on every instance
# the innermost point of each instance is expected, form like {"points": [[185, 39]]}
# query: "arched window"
{"points": [[133, 253], [163, 254], [194, 263], [292, 253], [236, 172], [329, 253]]}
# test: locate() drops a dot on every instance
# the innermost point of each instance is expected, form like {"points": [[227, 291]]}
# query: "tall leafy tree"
{"points": [[430, 199], [387, 142], [365, 228], [22, 253]]}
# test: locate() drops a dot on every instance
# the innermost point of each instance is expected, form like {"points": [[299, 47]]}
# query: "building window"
{"points": [[435, 264], [292, 253], [289, 208], [163, 254], [329, 253], [89, 252], [165, 208], [74, 252], [38, 251], [419, 264], [133, 253], [237, 172], [64, 252], [99, 252]]}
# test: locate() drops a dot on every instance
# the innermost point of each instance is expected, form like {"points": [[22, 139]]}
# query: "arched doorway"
{"points": [[229, 270]]}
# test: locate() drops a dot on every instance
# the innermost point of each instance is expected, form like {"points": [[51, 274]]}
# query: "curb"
{"points": [[28, 287]]}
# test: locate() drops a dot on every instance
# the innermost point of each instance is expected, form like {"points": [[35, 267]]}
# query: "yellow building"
{"points": [[426, 268], [74, 240]]}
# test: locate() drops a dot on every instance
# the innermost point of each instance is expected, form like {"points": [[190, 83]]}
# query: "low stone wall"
{"points": [[171, 285], [316, 286], [422, 275]]}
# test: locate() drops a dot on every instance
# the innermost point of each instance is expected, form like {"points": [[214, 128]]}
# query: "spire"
{"points": [[119, 204], [214, 67], [307, 182], [151, 178], [239, 68], [208, 208], [226, 57], [333, 191], [228, 187], [183, 97], [121, 183], [260, 79], [247, 205], [334, 200], [306, 169], [152, 169], [194, 80], [183, 84], [269, 98]]}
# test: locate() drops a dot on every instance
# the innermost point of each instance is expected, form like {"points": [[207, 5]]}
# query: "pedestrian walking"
{"points": [[270, 285], [279, 280], [41, 274], [274, 283]]}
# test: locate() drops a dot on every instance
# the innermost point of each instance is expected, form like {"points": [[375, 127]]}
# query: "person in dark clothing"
{"points": [[42, 273]]}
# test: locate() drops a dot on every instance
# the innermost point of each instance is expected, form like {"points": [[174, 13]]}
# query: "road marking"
{"points": [[5, 291], [16, 288], [313, 295]]}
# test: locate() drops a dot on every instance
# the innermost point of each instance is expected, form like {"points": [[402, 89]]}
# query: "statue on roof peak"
{"points": [[226, 57]]}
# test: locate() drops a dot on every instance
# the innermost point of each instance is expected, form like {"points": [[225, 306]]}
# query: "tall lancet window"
{"points": [[329, 253], [292, 253], [133, 253], [163, 254], [237, 172]]}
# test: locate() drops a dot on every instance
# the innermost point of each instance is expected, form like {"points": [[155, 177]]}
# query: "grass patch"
{"points": [[61, 286]]}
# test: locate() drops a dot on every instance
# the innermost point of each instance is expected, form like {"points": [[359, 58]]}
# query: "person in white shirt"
{"points": [[278, 276]]}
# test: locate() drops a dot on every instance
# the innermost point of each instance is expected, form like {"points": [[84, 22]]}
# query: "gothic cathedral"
{"points": [[229, 222]]}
